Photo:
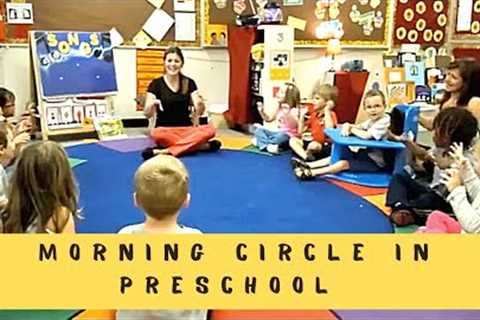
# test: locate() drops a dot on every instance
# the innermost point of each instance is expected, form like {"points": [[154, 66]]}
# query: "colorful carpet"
{"points": [[75, 162], [128, 145], [244, 178]]}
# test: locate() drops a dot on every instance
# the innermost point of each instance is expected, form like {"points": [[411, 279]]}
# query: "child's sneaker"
{"points": [[254, 142], [273, 148]]}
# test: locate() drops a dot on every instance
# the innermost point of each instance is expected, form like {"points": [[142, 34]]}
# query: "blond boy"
{"points": [[161, 190]]}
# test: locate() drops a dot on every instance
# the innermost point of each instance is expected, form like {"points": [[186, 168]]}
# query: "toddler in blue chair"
{"points": [[366, 160]]}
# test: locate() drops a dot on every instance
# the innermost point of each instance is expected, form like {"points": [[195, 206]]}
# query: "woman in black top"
{"points": [[461, 89], [176, 104]]}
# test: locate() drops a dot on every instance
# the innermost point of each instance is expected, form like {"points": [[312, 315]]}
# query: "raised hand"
{"points": [[451, 179], [456, 152]]}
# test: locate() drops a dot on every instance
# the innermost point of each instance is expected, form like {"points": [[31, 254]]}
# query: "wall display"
{"points": [[71, 113], [217, 35], [73, 63], [364, 23], [127, 16], [426, 22], [467, 24]]}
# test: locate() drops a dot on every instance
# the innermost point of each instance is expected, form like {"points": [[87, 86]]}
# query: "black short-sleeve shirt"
{"points": [[175, 105]]}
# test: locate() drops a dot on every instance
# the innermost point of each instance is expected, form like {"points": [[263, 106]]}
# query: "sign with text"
{"points": [[239, 271]]}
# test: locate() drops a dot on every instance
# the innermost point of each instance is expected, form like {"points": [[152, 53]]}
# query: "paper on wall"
{"points": [[185, 26], [296, 23], [141, 39], [19, 13], [158, 24], [115, 37], [184, 5], [464, 15], [156, 3]]}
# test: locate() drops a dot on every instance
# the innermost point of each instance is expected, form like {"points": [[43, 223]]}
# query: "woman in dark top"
{"points": [[461, 89], [176, 104]]}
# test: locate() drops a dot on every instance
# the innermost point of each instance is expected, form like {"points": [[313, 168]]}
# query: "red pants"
{"points": [[181, 140]]}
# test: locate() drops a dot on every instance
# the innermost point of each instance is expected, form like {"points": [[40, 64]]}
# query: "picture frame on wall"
{"points": [[397, 93]]}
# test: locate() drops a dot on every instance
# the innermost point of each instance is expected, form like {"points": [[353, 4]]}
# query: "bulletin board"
{"points": [[377, 11], [423, 22], [474, 15], [127, 16]]}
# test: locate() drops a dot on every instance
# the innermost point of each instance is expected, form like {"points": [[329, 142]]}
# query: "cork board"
{"points": [[128, 16], [354, 33]]}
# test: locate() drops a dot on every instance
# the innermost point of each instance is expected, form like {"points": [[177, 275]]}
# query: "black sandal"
{"points": [[303, 173], [213, 145]]}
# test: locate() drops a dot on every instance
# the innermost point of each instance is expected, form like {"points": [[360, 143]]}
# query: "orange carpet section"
{"points": [[96, 315], [379, 202], [230, 315], [357, 189], [267, 314]]}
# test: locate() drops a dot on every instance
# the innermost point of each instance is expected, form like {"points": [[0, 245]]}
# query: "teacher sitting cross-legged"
{"points": [[176, 105]]}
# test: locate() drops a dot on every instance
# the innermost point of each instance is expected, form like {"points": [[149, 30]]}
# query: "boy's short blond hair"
{"points": [[161, 186], [326, 91]]}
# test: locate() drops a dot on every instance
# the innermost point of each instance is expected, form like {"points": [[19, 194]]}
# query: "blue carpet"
{"points": [[232, 192]]}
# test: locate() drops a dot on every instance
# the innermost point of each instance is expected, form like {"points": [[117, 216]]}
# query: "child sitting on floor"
{"points": [[463, 186], [161, 190], [5, 158], [369, 160], [286, 115], [18, 135], [412, 200], [311, 123], [43, 196]]}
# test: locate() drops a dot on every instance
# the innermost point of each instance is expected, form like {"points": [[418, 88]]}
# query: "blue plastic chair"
{"points": [[340, 144]]}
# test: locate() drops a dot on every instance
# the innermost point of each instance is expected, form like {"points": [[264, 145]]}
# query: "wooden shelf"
{"points": [[85, 129]]}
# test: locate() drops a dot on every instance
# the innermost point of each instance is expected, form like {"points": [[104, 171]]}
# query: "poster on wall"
{"points": [[280, 65], [19, 13], [69, 63]]}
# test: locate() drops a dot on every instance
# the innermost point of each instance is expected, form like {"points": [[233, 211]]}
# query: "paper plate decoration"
{"points": [[420, 7], [428, 35], [401, 33], [438, 36], [475, 27], [476, 6], [438, 6], [442, 20], [408, 15], [421, 24], [412, 35], [421, 19]]}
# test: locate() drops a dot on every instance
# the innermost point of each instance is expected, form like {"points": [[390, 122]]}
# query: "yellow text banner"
{"points": [[241, 271]]}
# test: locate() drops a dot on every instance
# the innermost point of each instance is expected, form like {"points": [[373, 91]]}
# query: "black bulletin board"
{"points": [[354, 34], [128, 16]]}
